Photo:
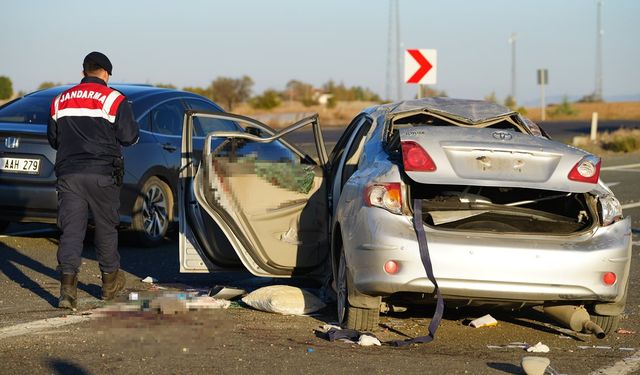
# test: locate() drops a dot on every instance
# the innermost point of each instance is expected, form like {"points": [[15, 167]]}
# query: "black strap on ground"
{"points": [[426, 262]]}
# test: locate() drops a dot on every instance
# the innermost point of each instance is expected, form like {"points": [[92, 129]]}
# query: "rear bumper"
{"points": [[28, 203], [482, 266]]}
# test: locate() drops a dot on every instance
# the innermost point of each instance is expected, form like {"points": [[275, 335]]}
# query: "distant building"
{"points": [[321, 97]]}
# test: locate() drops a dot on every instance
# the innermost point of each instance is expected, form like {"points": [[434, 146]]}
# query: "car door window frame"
{"points": [[153, 110]]}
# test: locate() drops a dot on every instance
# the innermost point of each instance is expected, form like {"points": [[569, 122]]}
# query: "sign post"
{"points": [[543, 79], [420, 67]]}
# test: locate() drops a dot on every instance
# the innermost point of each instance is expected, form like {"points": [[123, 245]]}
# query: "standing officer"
{"points": [[89, 124]]}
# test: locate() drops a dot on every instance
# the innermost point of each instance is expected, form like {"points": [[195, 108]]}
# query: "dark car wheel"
{"points": [[349, 316], [153, 212]]}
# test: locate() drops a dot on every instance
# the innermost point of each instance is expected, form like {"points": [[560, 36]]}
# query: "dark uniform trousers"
{"points": [[77, 194]]}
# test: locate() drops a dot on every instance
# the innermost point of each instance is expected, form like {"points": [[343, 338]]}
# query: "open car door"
{"points": [[252, 195]]}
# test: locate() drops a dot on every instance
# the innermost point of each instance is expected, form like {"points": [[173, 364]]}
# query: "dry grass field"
{"points": [[606, 111], [289, 112], [345, 111]]}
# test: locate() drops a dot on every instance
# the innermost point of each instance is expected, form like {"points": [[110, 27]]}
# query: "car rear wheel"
{"points": [[351, 317], [609, 324], [153, 212]]}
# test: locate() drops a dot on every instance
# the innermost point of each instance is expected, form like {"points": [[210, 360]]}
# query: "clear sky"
{"points": [[190, 42]]}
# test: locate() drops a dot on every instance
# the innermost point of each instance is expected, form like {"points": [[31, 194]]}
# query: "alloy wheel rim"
{"points": [[154, 212]]}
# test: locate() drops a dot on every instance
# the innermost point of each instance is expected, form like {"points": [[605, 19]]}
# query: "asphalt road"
{"points": [[240, 340]]}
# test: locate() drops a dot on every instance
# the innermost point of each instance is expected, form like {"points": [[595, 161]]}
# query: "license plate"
{"points": [[19, 165]]}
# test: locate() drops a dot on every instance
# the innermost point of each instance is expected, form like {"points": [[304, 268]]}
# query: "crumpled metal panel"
{"points": [[463, 110]]}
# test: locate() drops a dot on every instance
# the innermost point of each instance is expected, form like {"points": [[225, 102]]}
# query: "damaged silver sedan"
{"points": [[511, 217]]}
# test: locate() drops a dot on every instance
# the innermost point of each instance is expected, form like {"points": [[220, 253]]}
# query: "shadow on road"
{"points": [[508, 368], [11, 258], [63, 367]]}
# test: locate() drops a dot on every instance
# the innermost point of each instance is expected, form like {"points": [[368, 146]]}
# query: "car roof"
{"points": [[464, 110], [142, 96]]}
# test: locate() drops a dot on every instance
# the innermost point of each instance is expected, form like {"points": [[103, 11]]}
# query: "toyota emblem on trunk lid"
{"points": [[502, 135]]}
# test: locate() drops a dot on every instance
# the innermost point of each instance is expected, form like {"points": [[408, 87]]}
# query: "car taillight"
{"points": [[415, 158], [387, 196], [586, 170]]}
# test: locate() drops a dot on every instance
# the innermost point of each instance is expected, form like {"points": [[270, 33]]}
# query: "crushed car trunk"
{"points": [[490, 173]]}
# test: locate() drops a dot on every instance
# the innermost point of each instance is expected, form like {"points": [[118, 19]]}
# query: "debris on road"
{"points": [[225, 292], [350, 336], [368, 340], [538, 348], [207, 302], [283, 299], [623, 331], [511, 345], [149, 280], [484, 321], [602, 347], [535, 365]]}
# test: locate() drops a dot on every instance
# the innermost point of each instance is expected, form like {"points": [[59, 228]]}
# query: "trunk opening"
{"points": [[504, 209]]}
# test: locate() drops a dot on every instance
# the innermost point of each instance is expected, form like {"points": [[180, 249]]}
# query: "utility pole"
{"points": [[512, 41], [389, 53], [399, 54], [600, 33], [394, 53]]}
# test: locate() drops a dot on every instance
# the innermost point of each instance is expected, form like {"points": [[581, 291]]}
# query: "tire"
{"points": [[349, 316], [152, 212], [609, 324]]}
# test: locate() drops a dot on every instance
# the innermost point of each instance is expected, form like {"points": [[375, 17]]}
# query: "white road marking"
{"points": [[33, 231], [630, 205], [624, 166], [627, 365], [42, 325]]}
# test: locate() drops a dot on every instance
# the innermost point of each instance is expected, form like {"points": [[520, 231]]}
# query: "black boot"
{"points": [[68, 291], [112, 283]]}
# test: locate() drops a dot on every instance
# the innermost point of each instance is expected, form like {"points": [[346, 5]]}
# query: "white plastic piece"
{"points": [[327, 327], [538, 348], [368, 340], [283, 299], [484, 321], [206, 302], [535, 365], [149, 280]]}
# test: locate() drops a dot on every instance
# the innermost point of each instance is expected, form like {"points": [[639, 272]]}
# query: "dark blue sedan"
{"points": [[147, 202]]}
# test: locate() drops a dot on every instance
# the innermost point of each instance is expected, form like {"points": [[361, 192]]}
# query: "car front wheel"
{"points": [[153, 212], [360, 319]]}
